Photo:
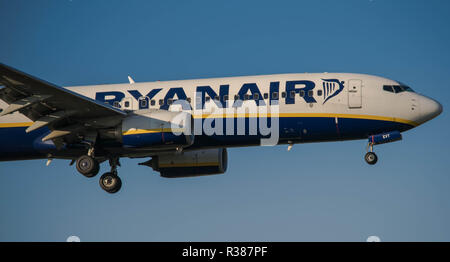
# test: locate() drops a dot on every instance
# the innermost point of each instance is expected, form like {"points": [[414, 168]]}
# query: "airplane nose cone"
{"points": [[430, 108]]}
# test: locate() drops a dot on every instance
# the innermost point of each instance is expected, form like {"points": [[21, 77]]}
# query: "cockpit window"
{"points": [[407, 88], [397, 88], [388, 88]]}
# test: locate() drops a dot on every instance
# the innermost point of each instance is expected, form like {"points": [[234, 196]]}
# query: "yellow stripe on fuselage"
{"points": [[23, 124], [324, 115], [149, 131], [145, 131]]}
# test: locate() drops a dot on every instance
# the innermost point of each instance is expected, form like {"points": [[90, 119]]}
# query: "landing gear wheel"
{"points": [[87, 166], [110, 182], [371, 158]]}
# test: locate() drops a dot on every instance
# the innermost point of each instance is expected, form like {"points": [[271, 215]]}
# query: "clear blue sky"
{"points": [[315, 192]]}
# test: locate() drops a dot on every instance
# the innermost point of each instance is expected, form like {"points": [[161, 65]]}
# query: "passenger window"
{"points": [[236, 97], [127, 103], [161, 102], [283, 94], [388, 88], [152, 102], [310, 93], [188, 100], [225, 97], [256, 96], [292, 94], [169, 101], [207, 98], [216, 98], [266, 95], [302, 93], [275, 95], [116, 104], [319, 92], [247, 97], [143, 103]]}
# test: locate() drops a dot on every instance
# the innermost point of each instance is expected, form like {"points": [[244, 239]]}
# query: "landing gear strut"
{"points": [[110, 181], [370, 157]]}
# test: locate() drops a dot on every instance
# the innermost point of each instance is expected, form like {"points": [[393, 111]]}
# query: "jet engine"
{"points": [[190, 163]]}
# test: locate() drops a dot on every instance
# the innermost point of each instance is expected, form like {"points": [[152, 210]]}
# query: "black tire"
{"points": [[110, 182], [87, 166], [371, 158]]}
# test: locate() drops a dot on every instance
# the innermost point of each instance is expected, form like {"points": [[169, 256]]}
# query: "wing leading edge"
{"points": [[47, 104]]}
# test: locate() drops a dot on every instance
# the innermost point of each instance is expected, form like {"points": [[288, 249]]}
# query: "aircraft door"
{"points": [[354, 89]]}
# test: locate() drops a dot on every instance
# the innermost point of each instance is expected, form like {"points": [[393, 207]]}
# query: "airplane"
{"points": [[89, 125]]}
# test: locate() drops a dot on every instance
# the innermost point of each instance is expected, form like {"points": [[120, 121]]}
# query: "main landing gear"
{"points": [[370, 157], [88, 166], [110, 181]]}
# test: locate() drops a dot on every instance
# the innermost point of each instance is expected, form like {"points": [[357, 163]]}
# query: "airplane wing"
{"points": [[63, 111]]}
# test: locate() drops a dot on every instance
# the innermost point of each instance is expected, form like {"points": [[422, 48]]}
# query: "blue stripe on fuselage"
{"points": [[306, 129]]}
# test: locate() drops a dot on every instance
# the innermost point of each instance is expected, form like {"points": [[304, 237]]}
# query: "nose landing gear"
{"points": [[370, 157], [388, 137]]}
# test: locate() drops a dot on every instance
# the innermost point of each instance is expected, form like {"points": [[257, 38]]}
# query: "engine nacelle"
{"points": [[157, 128], [191, 163]]}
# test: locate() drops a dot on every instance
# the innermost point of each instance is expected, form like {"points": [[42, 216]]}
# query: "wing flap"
{"points": [[23, 103], [49, 119]]}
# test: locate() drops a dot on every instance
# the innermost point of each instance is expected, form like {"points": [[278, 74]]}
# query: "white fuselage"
{"points": [[312, 107], [369, 101]]}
